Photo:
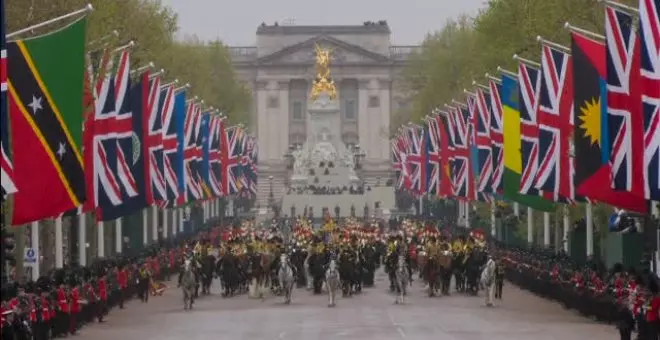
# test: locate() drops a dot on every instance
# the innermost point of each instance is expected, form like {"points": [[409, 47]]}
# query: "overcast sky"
{"points": [[235, 22]]}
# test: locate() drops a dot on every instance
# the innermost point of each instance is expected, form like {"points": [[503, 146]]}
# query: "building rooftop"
{"points": [[368, 27]]}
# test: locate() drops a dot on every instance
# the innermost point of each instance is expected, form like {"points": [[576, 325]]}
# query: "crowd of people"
{"points": [[627, 298], [63, 300], [329, 190]]}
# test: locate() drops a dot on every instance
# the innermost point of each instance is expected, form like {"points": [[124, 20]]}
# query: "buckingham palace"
{"points": [[279, 71]]}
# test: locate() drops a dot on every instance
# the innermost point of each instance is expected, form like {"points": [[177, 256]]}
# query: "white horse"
{"points": [[188, 285], [488, 280], [332, 282], [401, 279], [285, 275]]}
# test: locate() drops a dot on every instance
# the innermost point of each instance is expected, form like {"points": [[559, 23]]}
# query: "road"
{"points": [[371, 315]]}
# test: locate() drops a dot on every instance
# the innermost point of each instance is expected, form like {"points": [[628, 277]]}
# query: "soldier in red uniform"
{"points": [[44, 303], [122, 282], [75, 306], [103, 297], [89, 310], [63, 310]]}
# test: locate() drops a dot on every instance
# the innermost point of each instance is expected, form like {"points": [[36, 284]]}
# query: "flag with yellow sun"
{"points": [[590, 137]]}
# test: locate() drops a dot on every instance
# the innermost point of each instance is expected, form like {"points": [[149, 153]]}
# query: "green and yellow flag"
{"points": [[46, 77], [512, 146]]}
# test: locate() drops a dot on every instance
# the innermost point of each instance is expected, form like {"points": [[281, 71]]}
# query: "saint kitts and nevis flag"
{"points": [[45, 86]]}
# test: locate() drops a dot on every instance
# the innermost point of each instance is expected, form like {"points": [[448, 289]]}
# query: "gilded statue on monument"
{"points": [[323, 82]]}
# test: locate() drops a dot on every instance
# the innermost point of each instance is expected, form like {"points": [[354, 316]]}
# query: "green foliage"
{"points": [[205, 65], [467, 48]]}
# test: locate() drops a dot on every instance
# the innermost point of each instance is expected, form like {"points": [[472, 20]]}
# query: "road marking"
{"points": [[281, 336], [396, 325]]}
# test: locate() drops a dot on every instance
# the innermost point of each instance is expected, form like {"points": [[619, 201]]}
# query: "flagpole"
{"points": [[530, 226], [85, 10], [156, 74], [507, 72], [186, 86], [114, 34], [483, 87], [526, 61], [582, 31], [124, 47], [546, 229], [553, 44], [620, 6], [455, 102], [495, 79], [566, 227], [176, 81], [469, 93], [150, 65]]}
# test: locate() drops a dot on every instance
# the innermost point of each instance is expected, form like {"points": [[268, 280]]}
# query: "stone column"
{"points": [[282, 119], [364, 118], [262, 123], [383, 129]]}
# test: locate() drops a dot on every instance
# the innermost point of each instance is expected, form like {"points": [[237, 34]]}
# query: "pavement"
{"points": [[370, 315]]}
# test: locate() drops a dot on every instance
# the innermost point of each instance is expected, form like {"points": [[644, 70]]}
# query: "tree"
{"points": [[468, 47], [206, 66]]}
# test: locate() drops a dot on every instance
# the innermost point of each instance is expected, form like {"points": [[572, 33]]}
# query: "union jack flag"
{"points": [[230, 159], [555, 124], [7, 168], [530, 84], [212, 152], [416, 159], [152, 143], [481, 122], [103, 126], [123, 126], [496, 135], [191, 154], [459, 118], [624, 104], [433, 156], [400, 161], [249, 163], [446, 145], [171, 156], [649, 18]]}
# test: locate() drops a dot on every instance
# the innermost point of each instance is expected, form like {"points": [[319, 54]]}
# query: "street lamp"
{"points": [[271, 195], [288, 156], [358, 156]]}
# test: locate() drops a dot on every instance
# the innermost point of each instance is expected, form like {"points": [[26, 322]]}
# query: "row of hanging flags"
{"points": [[583, 124], [88, 134]]}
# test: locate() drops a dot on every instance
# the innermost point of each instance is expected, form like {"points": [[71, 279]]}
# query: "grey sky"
{"points": [[235, 22]]}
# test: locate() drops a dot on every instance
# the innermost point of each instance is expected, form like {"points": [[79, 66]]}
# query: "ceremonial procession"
{"points": [[167, 175]]}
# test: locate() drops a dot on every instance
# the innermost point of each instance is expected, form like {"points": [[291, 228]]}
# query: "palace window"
{"points": [[349, 110], [374, 101], [297, 110]]}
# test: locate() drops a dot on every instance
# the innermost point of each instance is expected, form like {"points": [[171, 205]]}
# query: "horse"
{"points": [[402, 279], [332, 282], [206, 271], [445, 260], [188, 284], [347, 272], [286, 279]]}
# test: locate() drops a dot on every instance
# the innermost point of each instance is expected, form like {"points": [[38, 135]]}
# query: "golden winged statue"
{"points": [[323, 82]]}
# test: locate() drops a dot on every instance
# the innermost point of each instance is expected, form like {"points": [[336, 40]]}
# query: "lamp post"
{"points": [[288, 156], [358, 156], [271, 195]]}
